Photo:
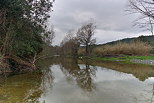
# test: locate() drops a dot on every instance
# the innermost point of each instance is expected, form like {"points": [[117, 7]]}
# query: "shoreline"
{"points": [[144, 60]]}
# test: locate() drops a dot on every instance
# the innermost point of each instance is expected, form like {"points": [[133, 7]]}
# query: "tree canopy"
{"points": [[23, 26]]}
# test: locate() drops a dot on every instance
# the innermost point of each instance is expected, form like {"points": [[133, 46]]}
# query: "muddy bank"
{"points": [[12, 64]]}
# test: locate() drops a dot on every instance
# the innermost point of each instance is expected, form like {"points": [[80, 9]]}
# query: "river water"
{"points": [[61, 80]]}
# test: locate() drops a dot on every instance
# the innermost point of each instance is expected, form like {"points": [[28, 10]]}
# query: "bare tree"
{"points": [[85, 35], [145, 9], [70, 44]]}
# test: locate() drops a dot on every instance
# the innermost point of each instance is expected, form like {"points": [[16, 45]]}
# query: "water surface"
{"points": [[62, 80]]}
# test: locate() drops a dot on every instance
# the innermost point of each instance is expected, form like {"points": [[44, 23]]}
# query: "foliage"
{"points": [[141, 38], [23, 26]]}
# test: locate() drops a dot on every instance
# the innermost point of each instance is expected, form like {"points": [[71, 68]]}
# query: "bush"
{"points": [[81, 51], [134, 48]]}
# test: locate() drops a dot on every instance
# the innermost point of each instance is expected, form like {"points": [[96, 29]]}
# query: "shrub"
{"points": [[133, 48], [81, 51]]}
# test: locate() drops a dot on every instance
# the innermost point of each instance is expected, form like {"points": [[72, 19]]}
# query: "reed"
{"points": [[137, 48]]}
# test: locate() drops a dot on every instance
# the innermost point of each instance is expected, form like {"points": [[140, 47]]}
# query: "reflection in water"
{"points": [[151, 99], [152, 94], [142, 72], [21, 88], [60, 78], [145, 97], [83, 76], [47, 80], [25, 88]]}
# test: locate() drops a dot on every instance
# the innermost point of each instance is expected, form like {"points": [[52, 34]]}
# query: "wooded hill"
{"points": [[149, 39]]}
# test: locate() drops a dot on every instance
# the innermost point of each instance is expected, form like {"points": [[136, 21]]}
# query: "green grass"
{"points": [[125, 58], [138, 57], [106, 59]]}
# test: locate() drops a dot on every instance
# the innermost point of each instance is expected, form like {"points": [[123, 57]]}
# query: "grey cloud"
{"points": [[109, 15]]}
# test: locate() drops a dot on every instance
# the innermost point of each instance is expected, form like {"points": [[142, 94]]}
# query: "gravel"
{"points": [[151, 62]]}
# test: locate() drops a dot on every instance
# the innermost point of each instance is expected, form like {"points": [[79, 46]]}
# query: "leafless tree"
{"points": [[70, 44], [85, 35], [145, 10]]}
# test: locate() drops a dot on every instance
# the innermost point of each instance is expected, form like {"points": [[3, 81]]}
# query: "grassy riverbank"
{"points": [[136, 51], [124, 59]]}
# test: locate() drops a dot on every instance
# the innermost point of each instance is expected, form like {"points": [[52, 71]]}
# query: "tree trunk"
{"points": [[87, 53]]}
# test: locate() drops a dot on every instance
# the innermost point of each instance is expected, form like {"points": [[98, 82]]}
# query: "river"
{"points": [[63, 80]]}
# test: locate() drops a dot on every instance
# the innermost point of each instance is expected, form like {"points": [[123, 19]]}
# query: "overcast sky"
{"points": [[112, 21]]}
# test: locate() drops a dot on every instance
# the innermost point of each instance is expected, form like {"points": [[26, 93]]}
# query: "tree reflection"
{"points": [[82, 74], [27, 87], [84, 77], [142, 72], [46, 81], [151, 100], [146, 98]]}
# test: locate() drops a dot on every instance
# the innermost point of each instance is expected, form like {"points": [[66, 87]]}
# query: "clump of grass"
{"points": [[137, 48]]}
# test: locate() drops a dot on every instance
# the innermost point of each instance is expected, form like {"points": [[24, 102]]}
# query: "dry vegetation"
{"points": [[81, 51], [3, 65], [137, 48]]}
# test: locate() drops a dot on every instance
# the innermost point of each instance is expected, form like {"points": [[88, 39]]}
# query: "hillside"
{"points": [[149, 39]]}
